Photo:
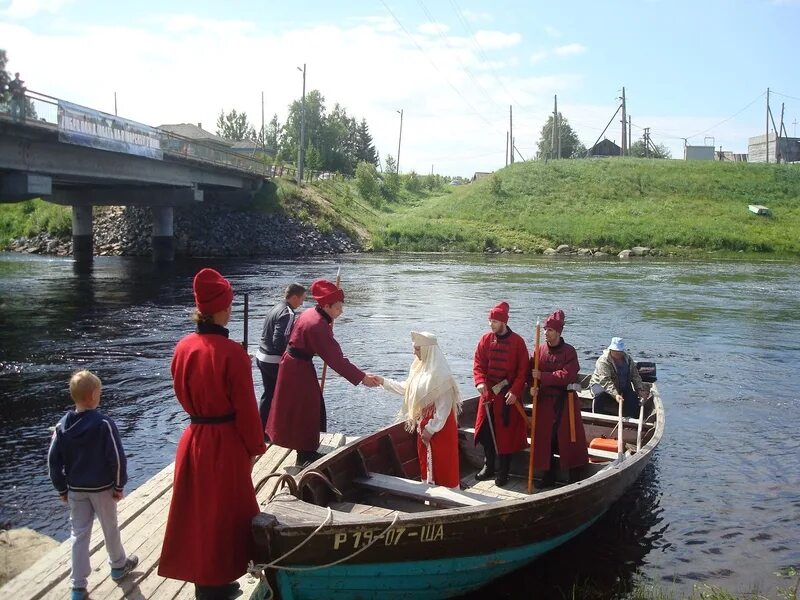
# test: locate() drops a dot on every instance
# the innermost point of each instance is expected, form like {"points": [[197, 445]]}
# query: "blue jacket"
{"points": [[86, 454]]}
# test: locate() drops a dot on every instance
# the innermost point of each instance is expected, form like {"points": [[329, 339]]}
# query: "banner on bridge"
{"points": [[87, 127]]}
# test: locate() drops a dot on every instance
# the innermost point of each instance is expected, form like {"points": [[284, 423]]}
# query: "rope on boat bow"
{"points": [[259, 570]]}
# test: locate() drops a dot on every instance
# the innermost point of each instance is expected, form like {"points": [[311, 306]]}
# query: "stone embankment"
{"points": [[567, 250], [199, 231]]}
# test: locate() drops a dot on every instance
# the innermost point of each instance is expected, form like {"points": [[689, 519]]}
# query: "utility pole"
{"points": [[646, 141], [766, 129], [301, 152], [780, 130], [263, 132], [624, 123], [511, 130], [794, 134], [115, 103], [399, 139], [506, 148]]}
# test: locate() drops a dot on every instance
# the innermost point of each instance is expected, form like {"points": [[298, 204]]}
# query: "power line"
{"points": [[455, 53], [784, 95], [756, 99], [475, 41], [433, 64]]}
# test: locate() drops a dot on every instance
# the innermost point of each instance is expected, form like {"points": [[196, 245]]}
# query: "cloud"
{"points": [[477, 17], [570, 50], [178, 68], [539, 56], [552, 31], [493, 40], [25, 9], [433, 28]]}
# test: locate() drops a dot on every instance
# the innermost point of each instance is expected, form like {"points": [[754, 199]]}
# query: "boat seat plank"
{"points": [[422, 491]]}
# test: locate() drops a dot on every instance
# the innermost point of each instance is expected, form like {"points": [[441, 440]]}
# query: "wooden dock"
{"points": [[142, 520]]}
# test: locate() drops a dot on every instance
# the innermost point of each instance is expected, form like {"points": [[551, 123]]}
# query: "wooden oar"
{"points": [[571, 408], [324, 364], [639, 427], [620, 453], [246, 318], [534, 388]]}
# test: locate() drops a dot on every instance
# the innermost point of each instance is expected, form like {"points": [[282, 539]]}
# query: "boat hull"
{"points": [[419, 579]]}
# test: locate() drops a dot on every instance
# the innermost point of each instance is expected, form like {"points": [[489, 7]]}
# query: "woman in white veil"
{"points": [[431, 401]]}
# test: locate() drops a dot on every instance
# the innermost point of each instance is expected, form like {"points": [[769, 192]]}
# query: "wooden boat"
{"points": [[359, 523]]}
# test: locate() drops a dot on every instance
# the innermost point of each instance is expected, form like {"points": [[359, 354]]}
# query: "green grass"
{"points": [[675, 206], [32, 217]]}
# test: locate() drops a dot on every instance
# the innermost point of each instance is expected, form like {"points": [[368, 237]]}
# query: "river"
{"points": [[720, 503]]}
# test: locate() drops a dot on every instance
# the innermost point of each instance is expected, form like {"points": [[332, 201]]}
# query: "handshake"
{"points": [[371, 380]]}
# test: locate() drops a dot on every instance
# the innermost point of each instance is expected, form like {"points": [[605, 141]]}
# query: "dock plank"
{"points": [[142, 521]]}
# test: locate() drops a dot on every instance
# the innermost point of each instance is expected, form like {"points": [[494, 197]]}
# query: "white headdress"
{"points": [[429, 378]]}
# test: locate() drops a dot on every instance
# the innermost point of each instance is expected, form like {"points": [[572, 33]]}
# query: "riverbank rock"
{"points": [[625, 254], [640, 251], [19, 549], [207, 230]]}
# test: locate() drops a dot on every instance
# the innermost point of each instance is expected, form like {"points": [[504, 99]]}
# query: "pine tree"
{"points": [[365, 149]]}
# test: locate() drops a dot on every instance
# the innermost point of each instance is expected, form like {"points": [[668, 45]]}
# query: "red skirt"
{"points": [[444, 451]]}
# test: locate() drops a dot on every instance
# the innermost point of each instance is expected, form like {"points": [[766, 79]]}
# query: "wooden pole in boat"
{"points": [[534, 390], [639, 427], [571, 416], [246, 318], [620, 453], [324, 364]]}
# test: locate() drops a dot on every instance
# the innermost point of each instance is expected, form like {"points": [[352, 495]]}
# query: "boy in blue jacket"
{"points": [[88, 469]]}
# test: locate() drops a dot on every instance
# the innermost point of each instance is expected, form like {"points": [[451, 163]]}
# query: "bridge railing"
{"points": [[41, 109]]}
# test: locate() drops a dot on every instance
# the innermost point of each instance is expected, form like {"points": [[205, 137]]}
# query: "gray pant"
{"points": [[83, 506]]}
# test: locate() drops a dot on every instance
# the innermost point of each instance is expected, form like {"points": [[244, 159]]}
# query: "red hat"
{"points": [[555, 321], [212, 292], [499, 313], [326, 293]]}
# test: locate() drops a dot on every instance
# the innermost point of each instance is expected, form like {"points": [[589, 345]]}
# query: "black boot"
{"points": [[502, 472], [549, 477], [487, 472]]}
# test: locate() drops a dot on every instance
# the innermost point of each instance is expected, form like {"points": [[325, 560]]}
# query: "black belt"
{"points": [[212, 420], [295, 353]]}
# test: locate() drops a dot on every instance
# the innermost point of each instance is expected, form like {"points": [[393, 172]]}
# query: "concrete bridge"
{"points": [[77, 156]]}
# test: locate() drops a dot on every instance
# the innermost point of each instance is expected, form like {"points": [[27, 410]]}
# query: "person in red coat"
{"points": [[558, 367], [298, 414], [207, 539], [501, 356]]}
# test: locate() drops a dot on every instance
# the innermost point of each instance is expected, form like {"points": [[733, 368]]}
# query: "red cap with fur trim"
{"points": [[555, 321], [326, 292], [212, 292], [499, 313]]}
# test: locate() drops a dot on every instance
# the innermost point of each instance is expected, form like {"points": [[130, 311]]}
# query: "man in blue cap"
{"points": [[616, 380]]}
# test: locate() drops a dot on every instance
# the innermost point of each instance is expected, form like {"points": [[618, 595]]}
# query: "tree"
{"points": [[368, 183], [391, 180], [365, 148], [4, 77], [290, 134], [571, 146], [639, 150], [235, 126], [268, 137]]}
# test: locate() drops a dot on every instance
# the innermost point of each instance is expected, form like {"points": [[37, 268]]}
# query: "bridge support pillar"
{"points": [[163, 238], [82, 241]]}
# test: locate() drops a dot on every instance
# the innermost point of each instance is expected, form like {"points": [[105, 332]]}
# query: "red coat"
{"points": [[498, 358], [559, 367], [294, 419], [207, 539]]}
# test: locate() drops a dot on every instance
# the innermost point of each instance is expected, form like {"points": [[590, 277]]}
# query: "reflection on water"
{"points": [[720, 502]]}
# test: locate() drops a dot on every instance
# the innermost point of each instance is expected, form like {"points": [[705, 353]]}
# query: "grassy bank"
{"points": [[32, 217], [676, 206]]}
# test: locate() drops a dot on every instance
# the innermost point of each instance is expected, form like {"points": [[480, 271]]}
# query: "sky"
{"points": [[695, 69]]}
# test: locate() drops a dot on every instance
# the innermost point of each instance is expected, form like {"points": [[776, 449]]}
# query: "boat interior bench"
{"points": [[419, 490]]}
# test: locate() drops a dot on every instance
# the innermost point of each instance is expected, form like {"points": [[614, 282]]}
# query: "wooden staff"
{"points": [[246, 317], [534, 389], [620, 449], [572, 416], [324, 364]]}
